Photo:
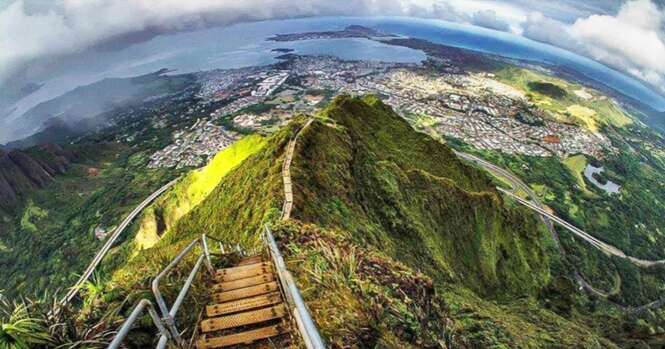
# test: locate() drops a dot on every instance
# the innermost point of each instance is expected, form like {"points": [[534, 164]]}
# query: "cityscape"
{"points": [[472, 107]]}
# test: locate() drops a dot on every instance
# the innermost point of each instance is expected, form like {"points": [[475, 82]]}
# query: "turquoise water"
{"points": [[243, 45]]}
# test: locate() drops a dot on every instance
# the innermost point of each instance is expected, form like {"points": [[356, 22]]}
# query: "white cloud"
{"points": [[631, 40], [632, 35], [73, 25], [489, 19], [31, 30]]}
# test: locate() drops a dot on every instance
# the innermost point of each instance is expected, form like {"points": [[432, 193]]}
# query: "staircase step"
{"points": [[242, 283], [242, 272], [242, 338], [242, 319], [246, 292], [242, 267], [243, 304], [251, 260]]}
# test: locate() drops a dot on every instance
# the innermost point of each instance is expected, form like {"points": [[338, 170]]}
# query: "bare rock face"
{"points": [[22, 171]]}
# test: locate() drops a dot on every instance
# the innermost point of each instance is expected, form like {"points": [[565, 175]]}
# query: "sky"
{"points": [[628, 35]]}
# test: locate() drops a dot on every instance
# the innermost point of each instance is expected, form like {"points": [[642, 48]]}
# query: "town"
{"points": [[471, 107]]}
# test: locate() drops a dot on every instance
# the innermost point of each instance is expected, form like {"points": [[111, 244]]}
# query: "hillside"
{"points": [[394, 241], [23, 171]]}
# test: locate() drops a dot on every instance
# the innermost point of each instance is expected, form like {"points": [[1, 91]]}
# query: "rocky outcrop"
{"points": [[24, 170]]}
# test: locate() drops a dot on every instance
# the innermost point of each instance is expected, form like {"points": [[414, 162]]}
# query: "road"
{"points": [[548, 218], [535, 204], [605, 247], [515, 182], [111, 240]]}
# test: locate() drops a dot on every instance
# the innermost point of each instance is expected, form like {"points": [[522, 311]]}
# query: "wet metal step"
{"points": [[246, 292], [243, 304], [242, 338], [243, 319]]}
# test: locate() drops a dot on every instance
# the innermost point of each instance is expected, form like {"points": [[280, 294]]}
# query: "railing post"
{"points": [[167, 318], [206, 251], [127, 325]]}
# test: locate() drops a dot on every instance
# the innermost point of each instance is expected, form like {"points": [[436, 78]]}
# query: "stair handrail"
{"points": [[127, 325], [166, 322], [306, 325], [111, 240]]}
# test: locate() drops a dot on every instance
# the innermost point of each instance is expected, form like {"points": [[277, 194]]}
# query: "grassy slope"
{"points": [[363, 174], [576, 165], [395, 242], [376, 177], [191, 190]]}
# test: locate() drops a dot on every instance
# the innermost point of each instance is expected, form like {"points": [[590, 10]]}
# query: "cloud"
{"points": [[488, 19], [628, 37], [69, 26], [631, 41]]}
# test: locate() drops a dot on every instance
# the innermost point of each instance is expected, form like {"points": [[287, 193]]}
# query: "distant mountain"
{"points": [[23, 171], [55, 131], [84, 103]]}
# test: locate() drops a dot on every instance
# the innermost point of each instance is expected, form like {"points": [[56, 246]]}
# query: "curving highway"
{"points": [[111, 240], [535, 205], [548, 218]]}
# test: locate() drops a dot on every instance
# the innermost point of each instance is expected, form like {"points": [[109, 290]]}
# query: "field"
{"points": [[576, 165], [565, 101]]}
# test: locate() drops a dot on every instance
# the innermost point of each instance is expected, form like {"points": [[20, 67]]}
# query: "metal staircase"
{"points": [[252, 301]]}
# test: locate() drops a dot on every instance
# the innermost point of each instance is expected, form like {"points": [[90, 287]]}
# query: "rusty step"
{"points": [[251, 260], [246, 292], [242, 267], [243, 304], [246, 337], [242, 272], [242, 283], [243, 319]]}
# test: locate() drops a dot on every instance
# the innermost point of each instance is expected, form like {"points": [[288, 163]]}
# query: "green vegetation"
{"points": [[368, 192], [563, 100], [18, 329], [576, 164], [399, 177], [191, 190], [31, 211], [547, 89], [394, 241], [51, 237], [629, 220], [44, 323]]}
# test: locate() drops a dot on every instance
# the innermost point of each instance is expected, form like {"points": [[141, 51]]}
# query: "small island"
{"points": [[352, 31], [282, 50]]}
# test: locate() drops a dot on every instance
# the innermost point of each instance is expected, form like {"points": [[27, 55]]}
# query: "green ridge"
{"points": [[394, 242]]}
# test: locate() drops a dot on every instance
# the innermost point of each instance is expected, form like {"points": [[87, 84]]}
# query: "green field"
{"points": [[576, 164], [563, 100]]}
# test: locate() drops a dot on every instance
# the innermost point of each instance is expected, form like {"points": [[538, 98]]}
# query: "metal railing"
{"points": [[110, 241], [306, 326], [166, 324]]}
